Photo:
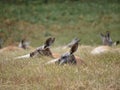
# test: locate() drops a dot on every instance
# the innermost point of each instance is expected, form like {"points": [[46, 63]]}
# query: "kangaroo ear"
{"points": [[108, 34], [75, 40], [48, 42], [74, 48]]}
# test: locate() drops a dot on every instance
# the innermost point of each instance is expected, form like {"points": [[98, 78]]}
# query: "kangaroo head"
{"points": [[66, 58], [69, 57], [106, 39]]}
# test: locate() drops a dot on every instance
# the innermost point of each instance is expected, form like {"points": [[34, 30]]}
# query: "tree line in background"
{"points": [[53, 1]]}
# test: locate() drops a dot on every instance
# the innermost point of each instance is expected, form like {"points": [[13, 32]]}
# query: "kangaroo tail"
{"points": [[52, 61], [23, 57]]}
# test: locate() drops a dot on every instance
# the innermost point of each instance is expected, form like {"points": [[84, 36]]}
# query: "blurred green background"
{"points": [[37, 20]]}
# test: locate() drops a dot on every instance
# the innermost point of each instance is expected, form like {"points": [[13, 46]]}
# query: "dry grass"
{"points": [[63, 21], [101, 73]]}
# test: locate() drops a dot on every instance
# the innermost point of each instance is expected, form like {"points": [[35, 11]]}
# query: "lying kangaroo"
{"points": [[106, 39], [23, 44], [107, 42], [69, 56], [42, 50]]}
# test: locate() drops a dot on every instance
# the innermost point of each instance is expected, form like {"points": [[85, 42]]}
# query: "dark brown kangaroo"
{"points": [[44, 50]]}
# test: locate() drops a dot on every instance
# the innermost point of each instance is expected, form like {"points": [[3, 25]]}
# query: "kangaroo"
{"points": [[107, 42], [69, 57], [42, 50], [106, 39], [10, 48], [24, 44]]}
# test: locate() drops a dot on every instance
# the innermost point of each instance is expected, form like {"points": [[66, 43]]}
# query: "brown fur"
{"points": [[42, 51], [11, 48]]}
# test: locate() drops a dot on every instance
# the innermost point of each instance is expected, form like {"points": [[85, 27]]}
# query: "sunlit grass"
{"points": [[101, 73]]}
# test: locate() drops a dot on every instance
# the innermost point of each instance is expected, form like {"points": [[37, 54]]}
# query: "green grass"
{"points": [[78, 19], [101, 73]]}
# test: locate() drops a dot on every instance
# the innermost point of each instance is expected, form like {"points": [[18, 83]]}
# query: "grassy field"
{"points": [[102, 72], [64, 21], [36, 22]]}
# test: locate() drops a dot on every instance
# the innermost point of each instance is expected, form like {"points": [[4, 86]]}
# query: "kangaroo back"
{"points": [[100, 49], [10, 48]]}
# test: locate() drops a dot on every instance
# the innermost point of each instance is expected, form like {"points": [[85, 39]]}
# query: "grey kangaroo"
{"points": [[23, 44], [106, 39], [69, 57]]}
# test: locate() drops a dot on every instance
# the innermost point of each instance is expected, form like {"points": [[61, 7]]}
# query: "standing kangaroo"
{"points": [[42, 50]]}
